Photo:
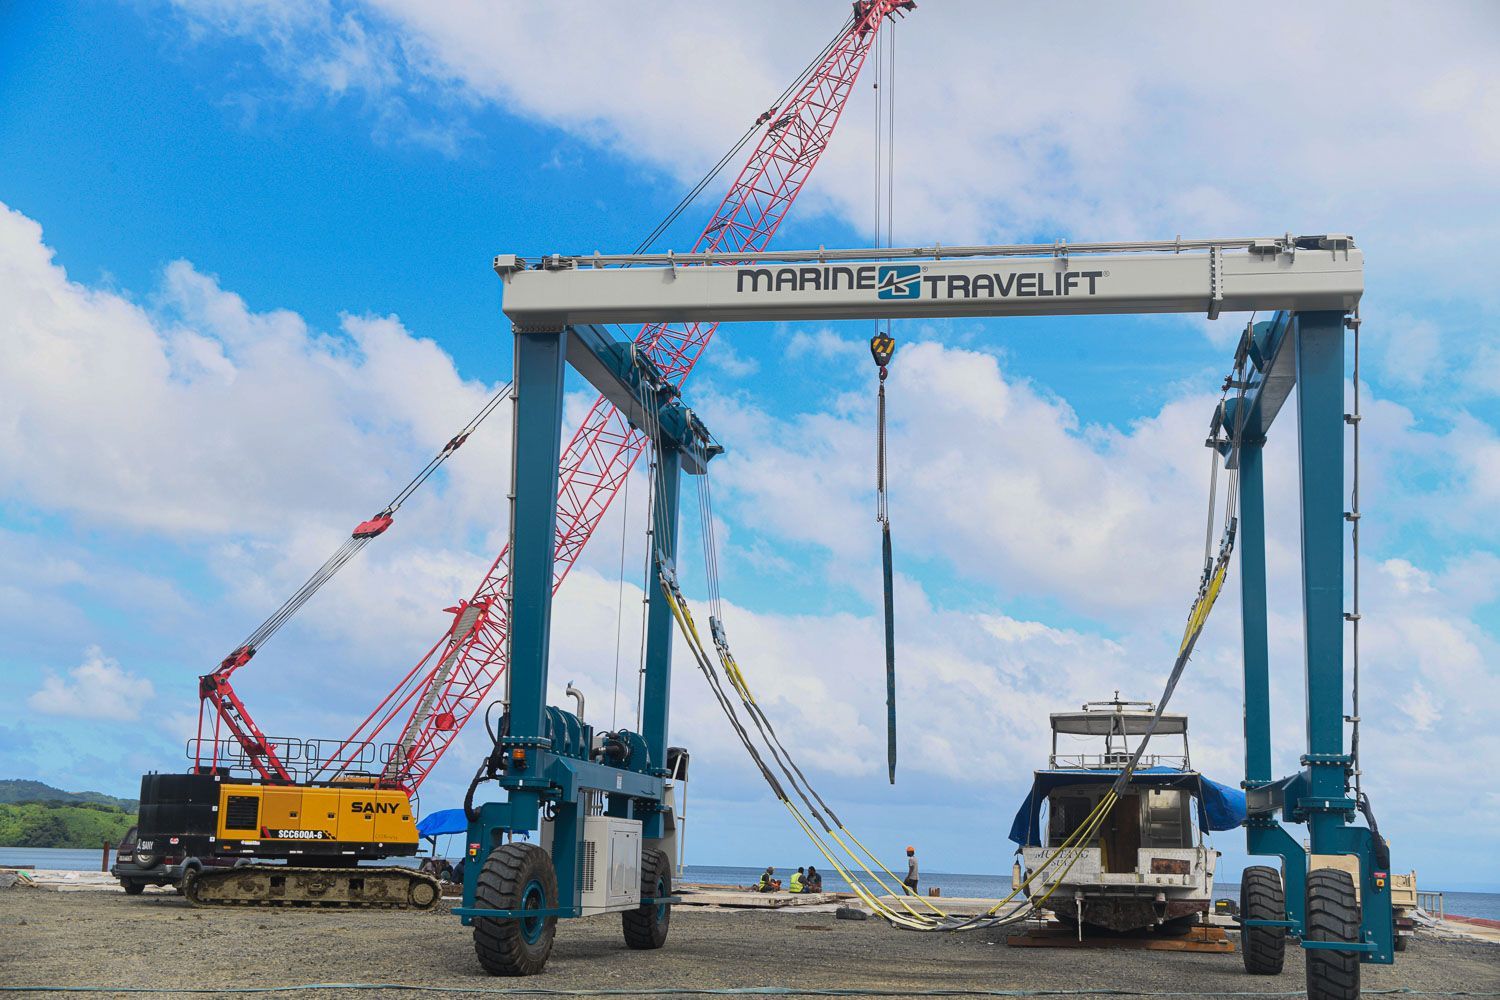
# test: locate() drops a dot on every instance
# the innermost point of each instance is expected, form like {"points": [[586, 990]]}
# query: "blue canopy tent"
{"points": [[1219, 806], [444, 821]]}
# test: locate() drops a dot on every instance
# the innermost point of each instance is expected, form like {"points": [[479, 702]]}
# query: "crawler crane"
{"points": [[324, 806]]}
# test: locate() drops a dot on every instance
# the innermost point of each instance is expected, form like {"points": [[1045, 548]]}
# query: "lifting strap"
{"points": [[882, 348], [848, 861], [1040, 882]]}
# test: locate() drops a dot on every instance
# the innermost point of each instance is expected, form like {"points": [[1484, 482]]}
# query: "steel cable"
{"points": [[355, 543], [718, 168]]}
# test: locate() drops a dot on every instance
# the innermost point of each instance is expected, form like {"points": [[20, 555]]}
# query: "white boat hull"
{"points": [[1169, 887]]}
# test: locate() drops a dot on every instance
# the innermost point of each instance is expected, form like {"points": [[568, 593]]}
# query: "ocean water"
{"points": [[1468, 904]]}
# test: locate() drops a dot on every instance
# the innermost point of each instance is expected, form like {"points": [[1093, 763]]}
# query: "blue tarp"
{"points": [[1219, 806], [445, 821]]}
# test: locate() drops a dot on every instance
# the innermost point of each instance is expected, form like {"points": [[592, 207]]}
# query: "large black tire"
{"points": [[133, 888], [646, 926], [1332, 915], [515, 877], [1399, 942], [1262, 898]]}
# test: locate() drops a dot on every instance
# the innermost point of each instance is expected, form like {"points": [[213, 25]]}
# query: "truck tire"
{"points": [[1400, 942], [646, 926], [189, 873], [133, 888], [1332, 915], [515, 877], [1263, 898]]}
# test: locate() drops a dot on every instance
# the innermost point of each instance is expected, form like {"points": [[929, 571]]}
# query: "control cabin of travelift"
{"points": [[1300, 274]]}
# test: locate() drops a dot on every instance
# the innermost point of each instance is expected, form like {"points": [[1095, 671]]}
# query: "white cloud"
{"points": [[821, 344], [1148, 135], [730, 361], [1419, 707], [1406, 578], [99, 689], [203, 416], [988, 472]]}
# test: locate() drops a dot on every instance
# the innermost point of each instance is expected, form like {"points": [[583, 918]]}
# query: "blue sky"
{"points": [[245, 255]]}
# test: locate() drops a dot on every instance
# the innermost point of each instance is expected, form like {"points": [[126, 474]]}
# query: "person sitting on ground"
{"points": [[814, 881], [768, 882], [797, 885]]}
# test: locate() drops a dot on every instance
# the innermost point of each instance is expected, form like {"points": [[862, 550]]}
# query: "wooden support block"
{"points": [[1210, 940]]}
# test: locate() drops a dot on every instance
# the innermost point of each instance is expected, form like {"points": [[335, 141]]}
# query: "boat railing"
{"points": [[1115, 761]]}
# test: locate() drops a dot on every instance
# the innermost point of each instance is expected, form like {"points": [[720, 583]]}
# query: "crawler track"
{"points": [[393, 888]]}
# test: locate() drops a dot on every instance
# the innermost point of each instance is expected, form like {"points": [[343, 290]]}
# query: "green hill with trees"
{"points": [[24, 790], [33, 814]]}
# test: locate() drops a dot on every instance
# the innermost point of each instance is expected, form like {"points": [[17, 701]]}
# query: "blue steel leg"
{"points": [[1377, 922], [1263, 835], [1320, 438], [659, 624], [659, 629], [540, 362], [1320, 434], [483, 836], [1252, 559]]}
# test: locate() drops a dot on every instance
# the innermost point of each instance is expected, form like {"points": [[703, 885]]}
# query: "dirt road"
{"points": [[110, 940]]}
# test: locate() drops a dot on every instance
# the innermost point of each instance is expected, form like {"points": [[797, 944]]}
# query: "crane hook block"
{"points": [[882, 348]]}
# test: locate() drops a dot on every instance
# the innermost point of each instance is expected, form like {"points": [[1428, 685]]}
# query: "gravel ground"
{"points": [[110, 940]]}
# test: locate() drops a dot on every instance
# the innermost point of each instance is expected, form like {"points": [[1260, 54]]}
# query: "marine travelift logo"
{"points": [[899, 281], [906, 282]]}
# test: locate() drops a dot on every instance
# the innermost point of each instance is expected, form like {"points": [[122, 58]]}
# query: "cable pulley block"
{"points": [[716, 630], [373, 527], [237, 659]]}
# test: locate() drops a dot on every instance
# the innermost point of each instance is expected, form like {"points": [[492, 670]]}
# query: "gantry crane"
{"points": [[1333, 897], [379, 766]]}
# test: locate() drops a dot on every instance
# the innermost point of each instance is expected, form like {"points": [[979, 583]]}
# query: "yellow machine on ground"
{"points": [[201, 831]]}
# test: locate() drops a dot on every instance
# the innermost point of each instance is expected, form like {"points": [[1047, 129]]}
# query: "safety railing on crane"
{"points": [[304, 760]]}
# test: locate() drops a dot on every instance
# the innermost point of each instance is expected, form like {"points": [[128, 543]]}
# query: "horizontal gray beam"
{"points": [[937, 251], [1190, 281]]}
